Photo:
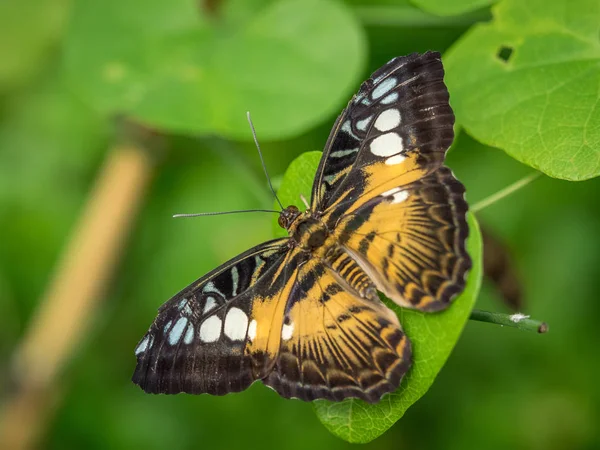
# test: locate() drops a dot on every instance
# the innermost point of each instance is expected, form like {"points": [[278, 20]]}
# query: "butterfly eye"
{"points": [[281, 221], [287, 216]]}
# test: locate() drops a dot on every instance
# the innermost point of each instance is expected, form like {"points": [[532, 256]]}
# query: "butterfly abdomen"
{"points": [[350, 272]]}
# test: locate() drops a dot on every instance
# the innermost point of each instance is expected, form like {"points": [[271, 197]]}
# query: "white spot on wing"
{"points": [[235, 278], [395, 160], [210, 304], [177, 331], [189, 335], [236, 324], [342, 153], [400, 196], [388, 120], [386, 86], [210, 329], [287, 331], [348, 129], [210, 287], [252, 330], [184, 307], [167, 326], [389, 98], [144, 345], [387, 145], [390, 192], [363, 124]]}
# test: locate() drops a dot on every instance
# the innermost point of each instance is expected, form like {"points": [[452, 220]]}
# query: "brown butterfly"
{"points": [[302, 314]]}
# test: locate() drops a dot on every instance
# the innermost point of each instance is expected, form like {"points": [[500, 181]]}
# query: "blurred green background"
{"points": [[295, 70]]}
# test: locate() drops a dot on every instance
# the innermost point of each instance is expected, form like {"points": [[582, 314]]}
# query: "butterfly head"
{"points": [[288, 216]]}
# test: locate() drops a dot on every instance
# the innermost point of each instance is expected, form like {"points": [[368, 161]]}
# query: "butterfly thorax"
{"points": [[305, 229], [312, 236]]}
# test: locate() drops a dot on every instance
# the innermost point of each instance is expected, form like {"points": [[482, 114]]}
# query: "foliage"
{"points": [[527, 82], [173, 68]]}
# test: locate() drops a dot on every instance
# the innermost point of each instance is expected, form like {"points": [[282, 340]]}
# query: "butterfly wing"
{"points": [[383, 190], [336, 344], [202, 339], [395, 130], [411, 241]]}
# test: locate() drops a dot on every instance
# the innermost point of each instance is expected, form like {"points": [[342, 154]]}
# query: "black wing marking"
{"points": [[400, 113], [198, 341]]}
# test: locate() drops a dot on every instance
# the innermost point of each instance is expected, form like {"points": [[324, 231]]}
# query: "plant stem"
{"points": [[520, 321], [70, 305], [504, 192]]}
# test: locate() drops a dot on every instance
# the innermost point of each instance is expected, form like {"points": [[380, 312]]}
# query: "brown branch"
{"points": [[60, 324]]}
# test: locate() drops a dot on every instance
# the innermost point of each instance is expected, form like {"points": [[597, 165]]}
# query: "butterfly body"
{"points": [[307, 231], [302, 313]]}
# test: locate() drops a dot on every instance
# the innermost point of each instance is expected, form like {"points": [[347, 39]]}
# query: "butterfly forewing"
{"points": [[395, 130], [392, 204], [201, 339]]}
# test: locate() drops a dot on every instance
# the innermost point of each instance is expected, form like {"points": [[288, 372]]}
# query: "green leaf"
{"points": [[433, 336], [452, 8], [528, 82], [290, 62]]}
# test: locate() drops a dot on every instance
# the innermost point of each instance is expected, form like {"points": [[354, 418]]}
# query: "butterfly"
{"points": [[302, 314]]}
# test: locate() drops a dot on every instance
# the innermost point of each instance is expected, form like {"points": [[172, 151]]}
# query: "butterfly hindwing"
{"points": [[200, 341], [397, 127], [336, 344], [411, 241]]}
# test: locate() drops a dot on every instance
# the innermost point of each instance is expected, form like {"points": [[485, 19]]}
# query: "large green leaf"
{"points": [[290, 62], [433, 336], [528, 82]]}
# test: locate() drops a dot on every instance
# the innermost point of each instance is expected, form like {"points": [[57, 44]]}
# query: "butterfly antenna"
{"points": [[220, 213], [262, 159]]}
